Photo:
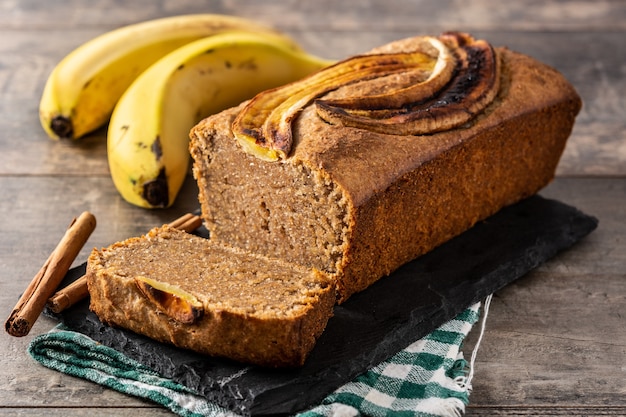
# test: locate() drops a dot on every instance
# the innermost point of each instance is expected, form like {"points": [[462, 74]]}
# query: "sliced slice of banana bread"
{"points": [[211, 298]]}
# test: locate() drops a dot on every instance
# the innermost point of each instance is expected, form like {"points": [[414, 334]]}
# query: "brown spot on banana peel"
{"points": [[248, 65], [156, 191], [473, 86], [156, 148], [171, 300]]}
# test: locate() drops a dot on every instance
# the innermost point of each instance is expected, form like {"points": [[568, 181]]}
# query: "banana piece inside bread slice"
{"points": [[182, 289]]}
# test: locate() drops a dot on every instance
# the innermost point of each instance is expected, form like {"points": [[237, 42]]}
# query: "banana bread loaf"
{"points": [[191, 292], [356, 202]]}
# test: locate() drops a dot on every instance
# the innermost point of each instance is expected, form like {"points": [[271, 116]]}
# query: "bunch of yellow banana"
{"points": [[153, 81]]}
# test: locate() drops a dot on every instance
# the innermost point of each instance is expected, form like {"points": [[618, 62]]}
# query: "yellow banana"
{"points": [[148, 136], [83, 88]]}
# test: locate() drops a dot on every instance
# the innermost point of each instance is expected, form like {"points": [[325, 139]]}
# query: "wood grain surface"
{"points": [[555, 341]]}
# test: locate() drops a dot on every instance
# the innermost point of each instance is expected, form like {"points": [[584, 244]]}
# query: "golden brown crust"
{"points": [[455, 178], [258, 330], [402, 195]]}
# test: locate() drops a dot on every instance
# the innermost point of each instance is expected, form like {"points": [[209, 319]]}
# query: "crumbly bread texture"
{"points": [[255, 309], [358, 204]]}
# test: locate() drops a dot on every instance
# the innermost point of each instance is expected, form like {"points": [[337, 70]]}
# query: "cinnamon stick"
{"points": [[190, 224], [68, 296], [43, 285], [181, 220], [77, 290]]}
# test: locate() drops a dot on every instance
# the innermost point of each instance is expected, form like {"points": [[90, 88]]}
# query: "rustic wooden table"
{"points": [[556, 339]]}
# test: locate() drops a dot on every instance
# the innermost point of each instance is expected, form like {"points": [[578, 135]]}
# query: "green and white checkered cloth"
{"points": [[427, 378]]}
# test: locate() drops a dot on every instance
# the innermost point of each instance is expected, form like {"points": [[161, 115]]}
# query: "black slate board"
{"points": [[372, 325]]}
